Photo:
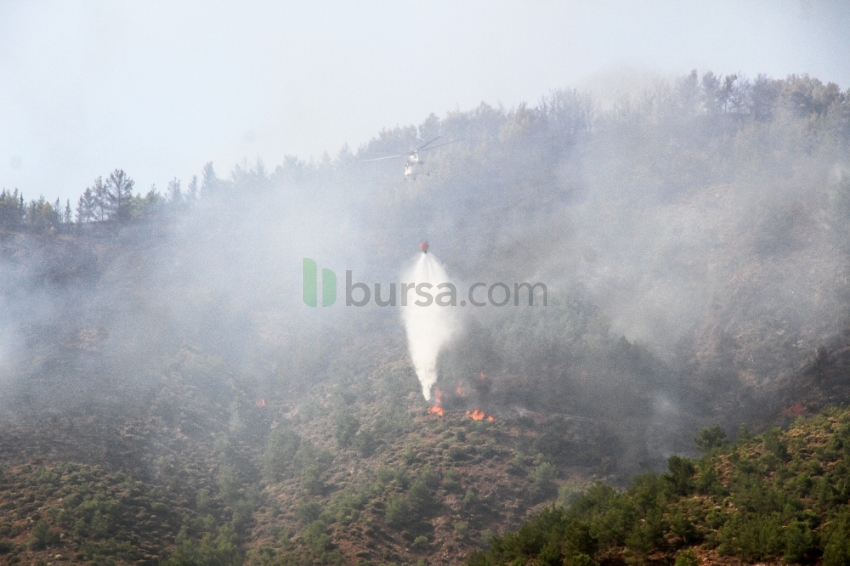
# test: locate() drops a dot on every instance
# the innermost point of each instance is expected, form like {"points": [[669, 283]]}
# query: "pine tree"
{"points": [[193, 188], [101, 205], [41, 215], [175, 193], [86, 207], [11, 214], [212, 184], [119, 191]]}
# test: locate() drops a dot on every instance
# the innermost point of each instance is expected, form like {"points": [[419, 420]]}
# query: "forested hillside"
{"points": [[167, 397], [778, 497]]}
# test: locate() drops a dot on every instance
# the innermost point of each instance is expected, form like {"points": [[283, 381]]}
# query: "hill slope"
{"points": [[167, 397], [783, 496]]}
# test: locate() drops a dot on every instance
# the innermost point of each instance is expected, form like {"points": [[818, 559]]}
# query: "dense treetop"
{"points": [[783, 495]]}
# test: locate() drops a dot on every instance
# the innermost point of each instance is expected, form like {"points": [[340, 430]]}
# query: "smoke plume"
{"points": [[430, 327]]}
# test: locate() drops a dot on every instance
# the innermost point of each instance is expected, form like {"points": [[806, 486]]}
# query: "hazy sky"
{"points": [[160, 88]]}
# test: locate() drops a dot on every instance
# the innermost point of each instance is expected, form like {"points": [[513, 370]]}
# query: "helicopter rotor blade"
{"points": [[423, 146], [382, 158], [440, 145], [415, 151]]}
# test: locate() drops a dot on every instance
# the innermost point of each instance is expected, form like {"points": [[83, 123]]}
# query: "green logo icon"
{"points": [[311, 284]]}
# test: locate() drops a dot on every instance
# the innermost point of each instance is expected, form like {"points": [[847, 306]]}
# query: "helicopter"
{"points": [[414, 163]]}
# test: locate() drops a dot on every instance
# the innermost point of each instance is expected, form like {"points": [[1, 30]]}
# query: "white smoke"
{"points": [[430, 327]]}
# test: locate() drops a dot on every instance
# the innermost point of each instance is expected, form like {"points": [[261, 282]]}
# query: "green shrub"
{"points": [[752, 536], [429, 477], [542, 482], [708, 481], [578, 539], [346, 428], [648, 534], [486, 538], [470, 499], [397, 513], [385, 475], [278, 459], [420, 543], [568, 493], [743, 435], [408, 456], [580, 560], [799, 541], [775, 445], [400, 477], [681, 474], [517, 465], [710, 438], [683, 528], [203, 502], [687, 558], [451, 480], [462, 529], [836, 550], [311, 480], [458, 453], [365, 443], [419, 497], [316, 538], [42, 536], [242, 516]]}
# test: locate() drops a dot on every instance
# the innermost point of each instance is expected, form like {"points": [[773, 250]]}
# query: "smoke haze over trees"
{"points": [[693, 237]]}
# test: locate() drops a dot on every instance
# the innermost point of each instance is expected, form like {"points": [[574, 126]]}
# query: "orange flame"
{"points": [[260, 403], [460, 390], [476, 415], [481, 376], [436, 408], [479, 415]]}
